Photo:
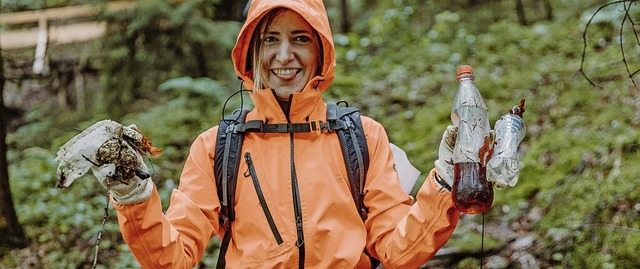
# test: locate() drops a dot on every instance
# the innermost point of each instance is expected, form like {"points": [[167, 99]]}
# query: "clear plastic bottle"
{"points": [[510, 129], [471, 193]]}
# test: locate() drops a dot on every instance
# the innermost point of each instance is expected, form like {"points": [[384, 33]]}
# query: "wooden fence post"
{"points": [[39, 62]]}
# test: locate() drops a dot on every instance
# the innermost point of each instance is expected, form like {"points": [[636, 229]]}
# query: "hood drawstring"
{"points": [[317, 83], [224, 106]]}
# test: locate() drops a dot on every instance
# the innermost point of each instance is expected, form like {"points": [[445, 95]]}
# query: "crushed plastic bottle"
{"points": [[471, 193], [510, 129]]}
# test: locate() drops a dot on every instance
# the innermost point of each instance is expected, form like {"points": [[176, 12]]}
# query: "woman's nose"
{"points": [[285, 54]]}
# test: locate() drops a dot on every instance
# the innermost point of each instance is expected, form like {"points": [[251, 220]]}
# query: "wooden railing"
{"points": [[54, 34]]}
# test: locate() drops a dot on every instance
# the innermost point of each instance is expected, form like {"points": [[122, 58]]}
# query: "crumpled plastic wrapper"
{"points": [[103, 143]]}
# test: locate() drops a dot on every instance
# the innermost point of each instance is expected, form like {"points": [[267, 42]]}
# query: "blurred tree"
{"points": [[345, 22], [522, 17], [537, 4], [25, 5], [229, 10], [13, 235], [157, 41]]}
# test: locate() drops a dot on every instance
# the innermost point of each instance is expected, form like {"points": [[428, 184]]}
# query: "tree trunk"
{"points": [[345, 22], [201, 60], [549, 9], [13, 235], [522, 18], [229, 10]]}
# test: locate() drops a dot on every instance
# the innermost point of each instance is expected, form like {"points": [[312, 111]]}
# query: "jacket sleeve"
{"points": [[403, 233], [178, 238]]}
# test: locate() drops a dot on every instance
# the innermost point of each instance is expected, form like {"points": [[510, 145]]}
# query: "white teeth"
{"points": [[285, 72]]}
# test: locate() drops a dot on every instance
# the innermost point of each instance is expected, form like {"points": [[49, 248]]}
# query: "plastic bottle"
{"points": [[471, 193], [510, 129]]}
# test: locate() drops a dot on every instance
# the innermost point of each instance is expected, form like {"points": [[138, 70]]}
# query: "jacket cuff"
{"points": [[441, 183], [138, 195]]}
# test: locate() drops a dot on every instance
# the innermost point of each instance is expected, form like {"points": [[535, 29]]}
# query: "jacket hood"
{"points": [[315, 14]]}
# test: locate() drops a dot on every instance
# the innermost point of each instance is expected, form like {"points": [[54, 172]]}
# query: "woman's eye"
{"points": [[302, 39], [269, 39]]}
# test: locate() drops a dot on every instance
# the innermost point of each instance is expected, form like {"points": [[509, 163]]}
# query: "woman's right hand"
{"points": [[125, 191], [113, 153]]}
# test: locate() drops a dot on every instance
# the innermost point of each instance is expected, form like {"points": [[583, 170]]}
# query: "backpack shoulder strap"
{"points": [[226, 164], [345, 121]]}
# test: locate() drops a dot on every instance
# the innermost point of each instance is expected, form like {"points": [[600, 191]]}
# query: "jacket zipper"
{"points": [[297, 208], [263, 202]]}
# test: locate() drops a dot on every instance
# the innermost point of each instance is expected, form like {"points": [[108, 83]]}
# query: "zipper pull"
{"points": [[247, 159], [300, 241]]}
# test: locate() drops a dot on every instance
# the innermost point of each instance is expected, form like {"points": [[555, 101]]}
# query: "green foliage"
{"points": [[203, 86], [22, 5], [191, 107], [67, 219], [576, 194], [156, 41], [578, 155], [147, 67]]}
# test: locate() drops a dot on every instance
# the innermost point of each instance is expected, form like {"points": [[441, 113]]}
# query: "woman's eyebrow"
{"points": [[295, 32]]}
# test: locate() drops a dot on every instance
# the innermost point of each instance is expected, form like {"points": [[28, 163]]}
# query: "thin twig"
{"points": [[104, 220], [624, 58], [625, 18], [584, 42], [482, 242]]}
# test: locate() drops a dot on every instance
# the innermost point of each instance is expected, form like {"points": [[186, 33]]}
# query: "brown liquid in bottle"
{"points": [[471, 194]]}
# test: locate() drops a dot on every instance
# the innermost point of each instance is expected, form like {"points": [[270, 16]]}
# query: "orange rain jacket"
{"points": [[304, 182]]}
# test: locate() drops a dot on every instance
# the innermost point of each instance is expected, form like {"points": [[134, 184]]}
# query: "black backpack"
{"points": [[345, 121]]}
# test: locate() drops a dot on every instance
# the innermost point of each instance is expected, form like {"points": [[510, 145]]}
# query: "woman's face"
{"points": [[290, 54]]}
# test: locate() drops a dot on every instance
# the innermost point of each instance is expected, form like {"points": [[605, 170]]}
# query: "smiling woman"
{"points": [[286, 60], [288, 52]]}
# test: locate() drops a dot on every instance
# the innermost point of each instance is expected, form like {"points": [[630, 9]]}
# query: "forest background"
{"points": [[166, 67]]}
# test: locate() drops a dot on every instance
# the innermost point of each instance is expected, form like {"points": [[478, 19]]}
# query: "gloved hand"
{"points": [[444, 163], [133, 190], [113, 152]]}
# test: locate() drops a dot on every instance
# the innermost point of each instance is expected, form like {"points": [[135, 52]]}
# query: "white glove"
{"points": [[113, 153], [444, 163], [130, 191]]}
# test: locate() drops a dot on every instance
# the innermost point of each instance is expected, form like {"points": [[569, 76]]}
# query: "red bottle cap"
{"points": [[465, 71]]}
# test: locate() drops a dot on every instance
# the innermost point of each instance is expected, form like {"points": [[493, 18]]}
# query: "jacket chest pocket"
{"points": [[255, 181]]}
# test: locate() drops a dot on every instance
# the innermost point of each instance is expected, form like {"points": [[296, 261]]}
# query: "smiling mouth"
{"points": [[288, 73]]}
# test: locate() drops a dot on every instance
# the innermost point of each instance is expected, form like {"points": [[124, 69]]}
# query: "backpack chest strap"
{"points": [[259, 126]]}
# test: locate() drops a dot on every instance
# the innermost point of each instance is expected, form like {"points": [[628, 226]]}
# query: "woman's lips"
{"points": [[286, 73]]}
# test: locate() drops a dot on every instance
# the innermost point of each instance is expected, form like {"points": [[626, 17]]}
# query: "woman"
{"points": [[285, 57]]}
